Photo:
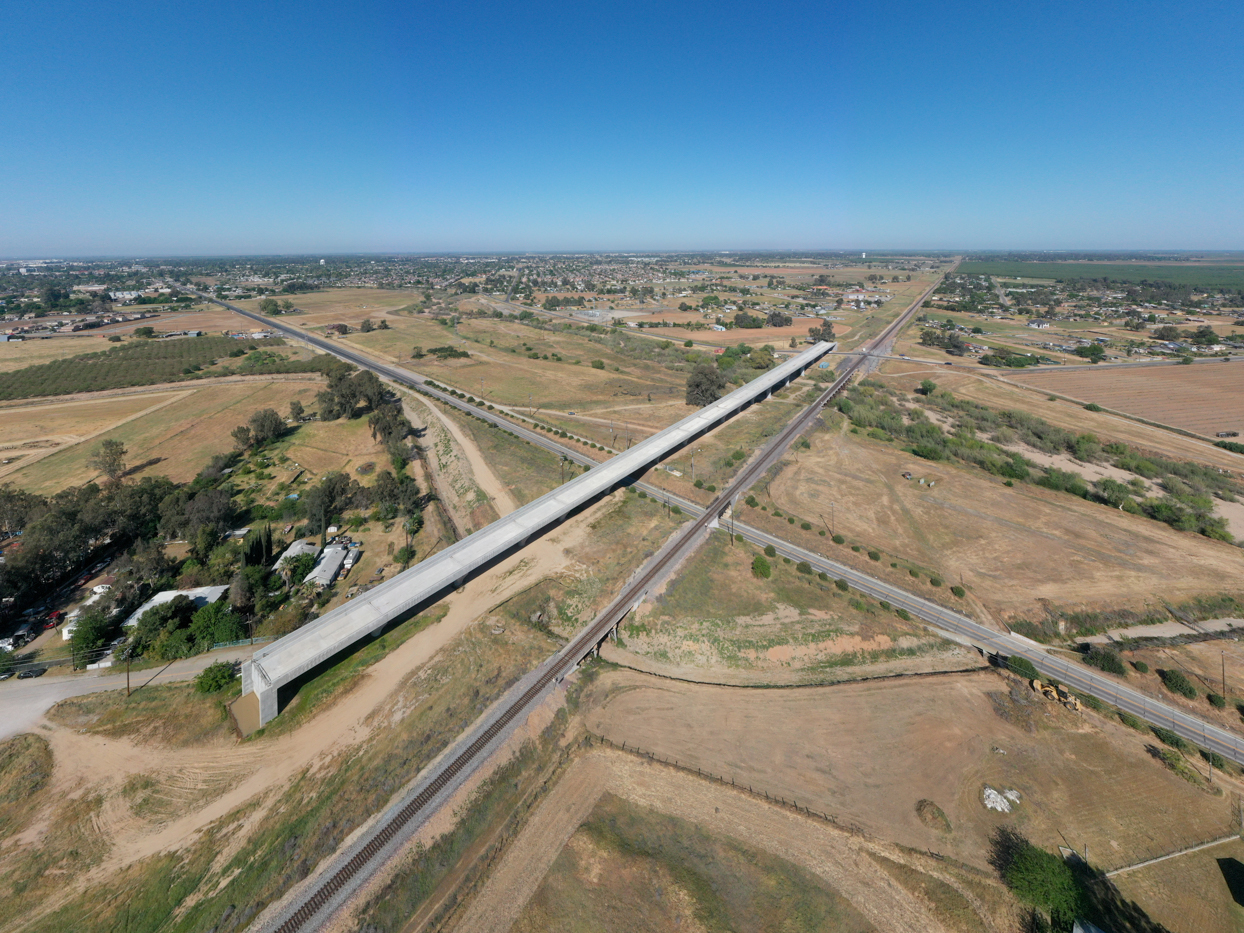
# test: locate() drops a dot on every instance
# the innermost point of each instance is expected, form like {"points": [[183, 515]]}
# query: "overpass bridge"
{"points": [[275, 670]]}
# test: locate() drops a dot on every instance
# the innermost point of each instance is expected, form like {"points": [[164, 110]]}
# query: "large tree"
{"points": [[705, 384], [109, 459]]}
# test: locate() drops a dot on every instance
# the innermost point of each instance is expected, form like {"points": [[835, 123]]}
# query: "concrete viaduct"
{"points": [[276, 670]]}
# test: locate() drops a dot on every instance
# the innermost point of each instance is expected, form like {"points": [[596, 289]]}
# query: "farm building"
{"points": [[301, 546], [327, 567], [1039, 324], [201, 596]]}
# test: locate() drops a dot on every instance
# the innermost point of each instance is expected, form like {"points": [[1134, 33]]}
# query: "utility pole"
{"points": [[832, 521], [127, 670], [693, 453], [1224, 674]]}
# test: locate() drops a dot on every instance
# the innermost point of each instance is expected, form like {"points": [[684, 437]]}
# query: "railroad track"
{"points": [[313, 904]]}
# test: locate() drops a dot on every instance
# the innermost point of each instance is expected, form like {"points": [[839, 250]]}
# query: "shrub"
{"points": [[884, 604], [856, 548], [711, 488], [1217, 701], [1105, 659], [959, 591], [903, 614], [821, 532], [823, 577], [1167, 737], [1092, 406], [770, 550], [214, 677], [842, 585], [806, 526], [1046, 881], [1176, 682], [789, 520], [804, 567], [598, 364], [1216, 760], [874, 555], [738, 538], [1141, 667], [1132, 722], [777, 514], [1023, 667], [839, 539], [699, 484], [914, 573], [676, 510], [935, 581], [751, 502], [761, 568]]}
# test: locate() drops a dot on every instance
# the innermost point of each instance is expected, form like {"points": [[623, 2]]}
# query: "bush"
{"points": [[738, 538], [936, 581], [761, 568], [1105, 659], [699, 484], [1093, 406], [1141, 667], [806, 526], [1046, 881], [914, 573], [821, 532], [959, 591], [856, 548], [1167, 737], [823, 577], [804, 567], [874, 555], [1132, 722], [770, 550], [751, 502], [790, 521], [1176, 682], [1216, 760], [676, 510], [215, 677], [842, 585], [1217, 701], [1023, 667], [839, 539], [598, 364], [903, 614]]}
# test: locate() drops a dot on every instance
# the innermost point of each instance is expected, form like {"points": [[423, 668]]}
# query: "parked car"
{"points": [[33, 672], [6, 675]]}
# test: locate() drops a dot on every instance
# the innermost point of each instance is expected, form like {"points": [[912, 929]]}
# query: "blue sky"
{"points": [[231, 128]]}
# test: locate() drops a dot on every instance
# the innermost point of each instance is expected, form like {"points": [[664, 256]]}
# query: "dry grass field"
{"points": [[347, 305], [20, 353], [1192, 893], [180, 435], [625, 843], [1016, 549], [868, 753], [1204, 398], [715, 622]]}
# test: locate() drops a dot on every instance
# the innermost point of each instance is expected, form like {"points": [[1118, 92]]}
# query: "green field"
{"points": [[1214, 276]]}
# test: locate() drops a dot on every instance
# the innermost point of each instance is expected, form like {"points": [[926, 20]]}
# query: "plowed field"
{"points": [[1204, 398]]}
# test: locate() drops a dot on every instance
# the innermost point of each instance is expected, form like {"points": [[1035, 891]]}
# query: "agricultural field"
{"points": [[715, 622], [341, 305], [1018, 550], [17, 354], [1204, 398], [174, 434], [849, 750], [1216, 275]]}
